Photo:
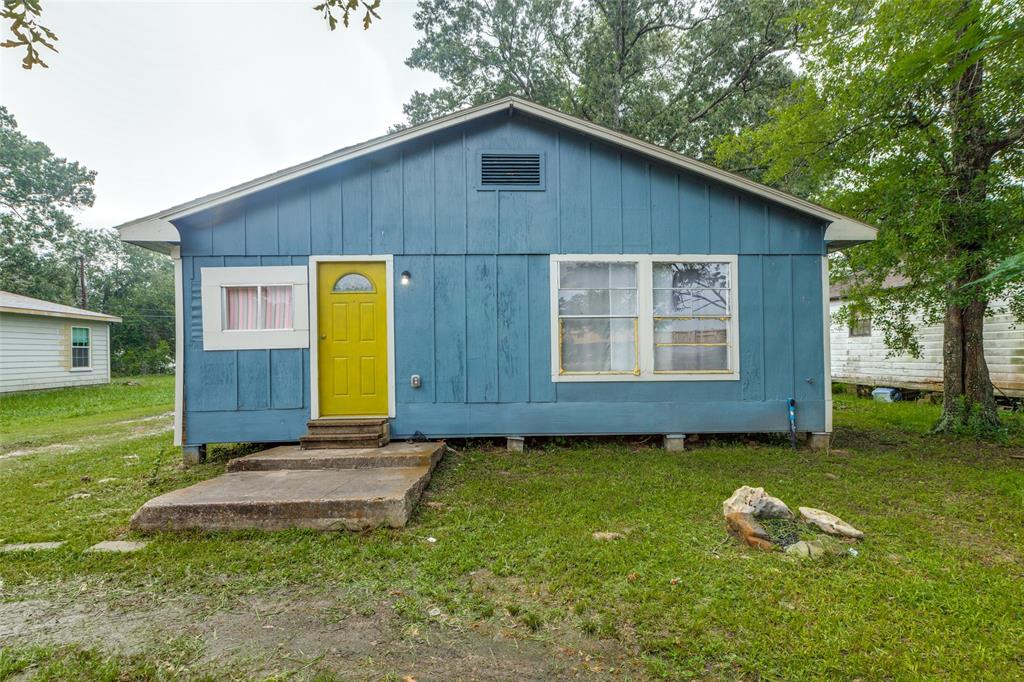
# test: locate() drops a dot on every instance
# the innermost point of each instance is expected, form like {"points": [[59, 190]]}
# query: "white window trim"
{"points": [[645, 318], [314, 373], [215, 280], [71, 341]]}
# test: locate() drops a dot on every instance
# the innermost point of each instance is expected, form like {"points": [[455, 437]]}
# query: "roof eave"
{"points": [[157, 232], [97, 317], [149, 231], [154, 233], [845, 232]]}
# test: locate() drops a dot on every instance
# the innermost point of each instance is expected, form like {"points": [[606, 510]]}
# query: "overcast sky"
{"points": [[168, 101]]}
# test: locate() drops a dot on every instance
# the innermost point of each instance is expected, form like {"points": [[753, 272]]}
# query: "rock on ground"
{"points": [[30, 546], [744, 527], [117, 546], [830, 523], [607, 535], [815, 549], [757, 502]]}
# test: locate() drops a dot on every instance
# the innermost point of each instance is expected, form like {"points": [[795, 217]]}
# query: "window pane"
{"points": [[598, 345], [686, 302], [353, 281], [690, 331], [277, 307], [240, 308], [586, 275], [691, 275], [690, 358], [79, 336], [860, 326], [597, 302], [80, 356]]}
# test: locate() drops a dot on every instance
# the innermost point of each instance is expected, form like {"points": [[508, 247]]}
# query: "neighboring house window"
{"points": [[81, 348], [644, 318], [860, 326], [255, 307]]}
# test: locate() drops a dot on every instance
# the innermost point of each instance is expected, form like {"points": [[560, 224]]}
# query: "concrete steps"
{"points": [[341, 441], [290, 457], [339, 433], [287, 487]]}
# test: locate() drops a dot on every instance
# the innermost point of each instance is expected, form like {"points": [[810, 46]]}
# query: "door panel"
{"points": [[352, 348]]}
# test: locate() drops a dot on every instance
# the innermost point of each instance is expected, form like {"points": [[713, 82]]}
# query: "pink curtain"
{"points": [[241, 302], [277, 307]]}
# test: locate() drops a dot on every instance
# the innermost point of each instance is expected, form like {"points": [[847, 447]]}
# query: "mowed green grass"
{"points": [[35, 418], [936, 591]]}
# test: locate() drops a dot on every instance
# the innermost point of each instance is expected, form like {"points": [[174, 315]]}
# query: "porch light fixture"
{"points": [[406, 278]]}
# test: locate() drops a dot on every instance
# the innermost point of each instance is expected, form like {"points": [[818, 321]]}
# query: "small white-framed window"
{"points": [[247, 308], [255, 307], [644, 317], [81, 348]]}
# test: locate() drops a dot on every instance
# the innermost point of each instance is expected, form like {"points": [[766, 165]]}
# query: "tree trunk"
{"points": [[967, 398]]}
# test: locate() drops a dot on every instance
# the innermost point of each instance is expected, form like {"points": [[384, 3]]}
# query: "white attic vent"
{"points": [[511, 170]]}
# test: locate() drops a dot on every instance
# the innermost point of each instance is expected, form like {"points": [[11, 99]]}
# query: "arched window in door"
{"points": [[352, 282]]}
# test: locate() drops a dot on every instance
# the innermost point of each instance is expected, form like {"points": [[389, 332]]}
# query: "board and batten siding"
{"points": [[474, 322], [35, 353], [863, 359]]}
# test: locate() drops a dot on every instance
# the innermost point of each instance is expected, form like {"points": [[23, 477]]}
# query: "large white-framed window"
{"points": [[81, 349], [670, 317], [255, 307]]}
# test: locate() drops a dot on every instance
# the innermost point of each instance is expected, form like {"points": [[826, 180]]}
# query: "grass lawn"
{"points": [[37, 418], [497, 575]]}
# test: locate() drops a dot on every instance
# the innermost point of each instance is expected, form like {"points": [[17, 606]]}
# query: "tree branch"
{"points": [[1014, 135]]}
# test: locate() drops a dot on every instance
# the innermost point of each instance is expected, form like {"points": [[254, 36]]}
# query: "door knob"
{"points": [[323, 337]]}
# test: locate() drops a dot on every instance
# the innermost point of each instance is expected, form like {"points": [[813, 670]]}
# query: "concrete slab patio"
{"points": [[286, 487]]}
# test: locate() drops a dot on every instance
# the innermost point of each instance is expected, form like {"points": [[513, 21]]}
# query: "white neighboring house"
{"points": [[859, 355], [49, 345]]}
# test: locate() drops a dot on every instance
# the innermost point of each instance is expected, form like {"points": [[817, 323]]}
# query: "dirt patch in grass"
{"points": [[351, 636], [124, 429]]}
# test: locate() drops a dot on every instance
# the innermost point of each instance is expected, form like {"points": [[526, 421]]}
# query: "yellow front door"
{"points": [[353, 346]]}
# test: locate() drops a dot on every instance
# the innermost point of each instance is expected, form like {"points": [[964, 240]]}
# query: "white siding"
{"points": [[35, 352], [862, 359]]}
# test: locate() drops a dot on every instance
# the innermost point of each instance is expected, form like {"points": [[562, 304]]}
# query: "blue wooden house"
{"points": [[505, 270]]}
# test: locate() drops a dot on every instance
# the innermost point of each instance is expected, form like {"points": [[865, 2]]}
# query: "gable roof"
{"points": [[157, 232], [26, 305]]}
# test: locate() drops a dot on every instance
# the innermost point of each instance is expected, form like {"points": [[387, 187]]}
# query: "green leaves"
{"points": [[26, 32], [679, 74], [347, 7], [872, 130], [40, 245]]}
